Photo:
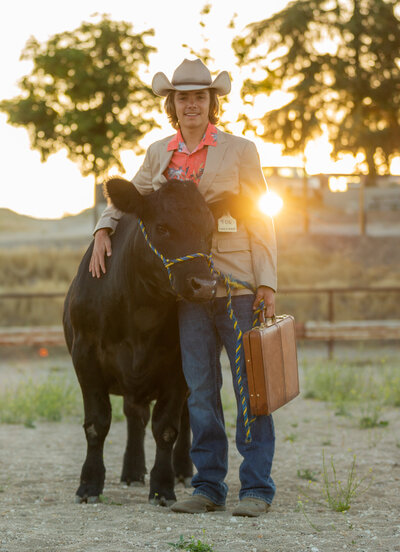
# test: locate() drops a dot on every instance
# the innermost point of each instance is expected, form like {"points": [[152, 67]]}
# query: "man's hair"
{"points": [[213, 112]]}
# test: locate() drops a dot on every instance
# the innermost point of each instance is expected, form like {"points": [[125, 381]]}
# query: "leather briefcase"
{"points": [[271, 364]]}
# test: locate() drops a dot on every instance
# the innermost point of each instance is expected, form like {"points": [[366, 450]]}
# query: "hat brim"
{"points": [[161, 85]]}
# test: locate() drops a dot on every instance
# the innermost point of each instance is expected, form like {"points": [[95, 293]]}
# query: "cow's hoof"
{"points": [[137, 484], [86, 499], [161, 501], [140, 482], [186, 481]]}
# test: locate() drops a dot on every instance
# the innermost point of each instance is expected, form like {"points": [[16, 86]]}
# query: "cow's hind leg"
{"points": [[134, 466], [97, 407], [182, 463], [165, 430]]}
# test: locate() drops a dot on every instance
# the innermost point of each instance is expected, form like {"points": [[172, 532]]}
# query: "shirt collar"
{"points": [[209, 139]]}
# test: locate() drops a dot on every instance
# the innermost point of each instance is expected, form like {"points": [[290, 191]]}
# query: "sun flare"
{"points": [[270, 204]]}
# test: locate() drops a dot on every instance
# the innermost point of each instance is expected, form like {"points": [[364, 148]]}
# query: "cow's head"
{"points": [[178, 223]]}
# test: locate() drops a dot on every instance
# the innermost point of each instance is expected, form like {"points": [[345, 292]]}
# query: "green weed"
{"points": [[338, 494], [300, 507], [291, 437], [105, 500], [191, 545], [347, 384], [370, 416], [309, 475], [50, 400]]}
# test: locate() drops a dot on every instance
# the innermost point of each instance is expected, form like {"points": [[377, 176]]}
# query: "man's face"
{"points": [[192, 109]]}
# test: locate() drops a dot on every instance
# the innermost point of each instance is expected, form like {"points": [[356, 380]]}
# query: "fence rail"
{"points": [[329, 330]]}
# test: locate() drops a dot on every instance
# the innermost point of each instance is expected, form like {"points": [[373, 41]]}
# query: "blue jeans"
{"points": [[204, 329]]}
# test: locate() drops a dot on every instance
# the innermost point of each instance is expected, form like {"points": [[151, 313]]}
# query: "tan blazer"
{"points": [[232, 166]]}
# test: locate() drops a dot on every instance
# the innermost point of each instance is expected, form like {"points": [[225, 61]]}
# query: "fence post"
{"points": [[331, 317], [362, 209]]}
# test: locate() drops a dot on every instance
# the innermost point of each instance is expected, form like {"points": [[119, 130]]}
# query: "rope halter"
{"points": [[168, 263]]}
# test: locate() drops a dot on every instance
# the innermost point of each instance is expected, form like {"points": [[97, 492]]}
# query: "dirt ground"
{"points": [[39, 471]]}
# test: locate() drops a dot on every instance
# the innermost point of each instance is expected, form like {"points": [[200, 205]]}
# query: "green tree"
{"points": [[339, 63], [84, 94]]}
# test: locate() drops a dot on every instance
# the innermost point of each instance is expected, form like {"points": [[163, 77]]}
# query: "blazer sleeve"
{"points": [[260, 227], [142, 181]]}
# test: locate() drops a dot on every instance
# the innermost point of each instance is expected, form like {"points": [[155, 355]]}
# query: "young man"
{"points": [[221, 164]]}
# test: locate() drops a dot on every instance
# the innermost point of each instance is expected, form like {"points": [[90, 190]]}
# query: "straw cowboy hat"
{"points": [[191, 75]]}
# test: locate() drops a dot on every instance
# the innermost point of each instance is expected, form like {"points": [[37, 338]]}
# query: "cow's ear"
{"points": [[123, 195]]}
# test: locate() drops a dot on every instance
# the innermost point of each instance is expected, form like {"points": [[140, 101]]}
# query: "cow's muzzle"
{"points": [[201, 289]]}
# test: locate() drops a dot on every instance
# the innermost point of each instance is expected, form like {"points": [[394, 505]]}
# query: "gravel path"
{"points": [[39, 470]]}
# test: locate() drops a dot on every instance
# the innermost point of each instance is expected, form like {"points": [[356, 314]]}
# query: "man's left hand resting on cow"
{"points": [[244, 247]]}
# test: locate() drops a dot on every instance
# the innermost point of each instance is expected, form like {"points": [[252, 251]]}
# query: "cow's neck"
{"points": [[144, 282]]}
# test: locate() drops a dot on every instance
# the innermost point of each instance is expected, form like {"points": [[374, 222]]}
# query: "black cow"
{"points": [[122, 333]]}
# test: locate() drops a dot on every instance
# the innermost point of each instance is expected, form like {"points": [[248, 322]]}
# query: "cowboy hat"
{"points": [[191, 75]]}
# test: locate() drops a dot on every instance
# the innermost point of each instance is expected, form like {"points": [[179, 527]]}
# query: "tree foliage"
{"points": [[84, 94], [204, 54], [339, 63]]}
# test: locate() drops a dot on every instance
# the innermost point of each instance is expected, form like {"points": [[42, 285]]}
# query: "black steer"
{"points": [[122, 333]]}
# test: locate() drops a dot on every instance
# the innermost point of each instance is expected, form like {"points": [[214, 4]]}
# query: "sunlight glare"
{"points": [[395, 166], [270, 204], [338, 184]]}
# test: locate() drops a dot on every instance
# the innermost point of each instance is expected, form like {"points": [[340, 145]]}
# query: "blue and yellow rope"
{"points": [[169, 262], [229, 284]]}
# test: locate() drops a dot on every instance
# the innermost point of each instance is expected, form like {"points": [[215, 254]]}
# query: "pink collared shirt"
{"points": [[186, 165]]}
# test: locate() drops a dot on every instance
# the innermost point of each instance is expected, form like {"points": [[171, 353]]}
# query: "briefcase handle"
{"points": [[267, 321]]}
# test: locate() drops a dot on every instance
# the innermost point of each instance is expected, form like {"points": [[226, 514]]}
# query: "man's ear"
{"points": [[123, 195]]}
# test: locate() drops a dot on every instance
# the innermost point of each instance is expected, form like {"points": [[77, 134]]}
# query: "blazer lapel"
{"points": [[164, 159], [215, 154]]}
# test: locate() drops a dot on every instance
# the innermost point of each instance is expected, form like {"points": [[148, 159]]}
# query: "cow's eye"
{"points": [[162, 230]]}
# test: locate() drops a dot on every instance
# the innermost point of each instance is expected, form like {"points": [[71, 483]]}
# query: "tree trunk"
{"points": [[306, 217], [371, 176]]}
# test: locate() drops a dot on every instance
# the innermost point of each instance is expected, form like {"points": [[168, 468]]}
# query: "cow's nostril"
{"points": [[202, 289], [195, 284]]}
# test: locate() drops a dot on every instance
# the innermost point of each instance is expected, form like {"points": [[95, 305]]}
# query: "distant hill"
{"points": [[20, 230]]}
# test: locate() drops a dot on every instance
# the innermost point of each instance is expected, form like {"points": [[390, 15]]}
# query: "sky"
{"points": [[56, 188]]}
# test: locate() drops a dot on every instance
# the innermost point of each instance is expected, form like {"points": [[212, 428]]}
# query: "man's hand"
{"points": [[102, 246], [267, 295]]}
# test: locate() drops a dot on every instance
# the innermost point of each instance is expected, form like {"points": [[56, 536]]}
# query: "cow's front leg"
{"points": [[97, 423], [96, 426], [134, 466], [165, 422]]}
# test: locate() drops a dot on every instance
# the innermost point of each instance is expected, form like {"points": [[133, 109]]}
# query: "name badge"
{"points": [[227, 224]]}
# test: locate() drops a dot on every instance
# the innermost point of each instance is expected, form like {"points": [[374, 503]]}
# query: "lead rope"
{"points": [[229, 284], [237, 284]]}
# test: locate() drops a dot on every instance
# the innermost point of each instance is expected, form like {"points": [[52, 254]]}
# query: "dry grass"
{"points": [[35, 270], [337, 262], [312, 262]]}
